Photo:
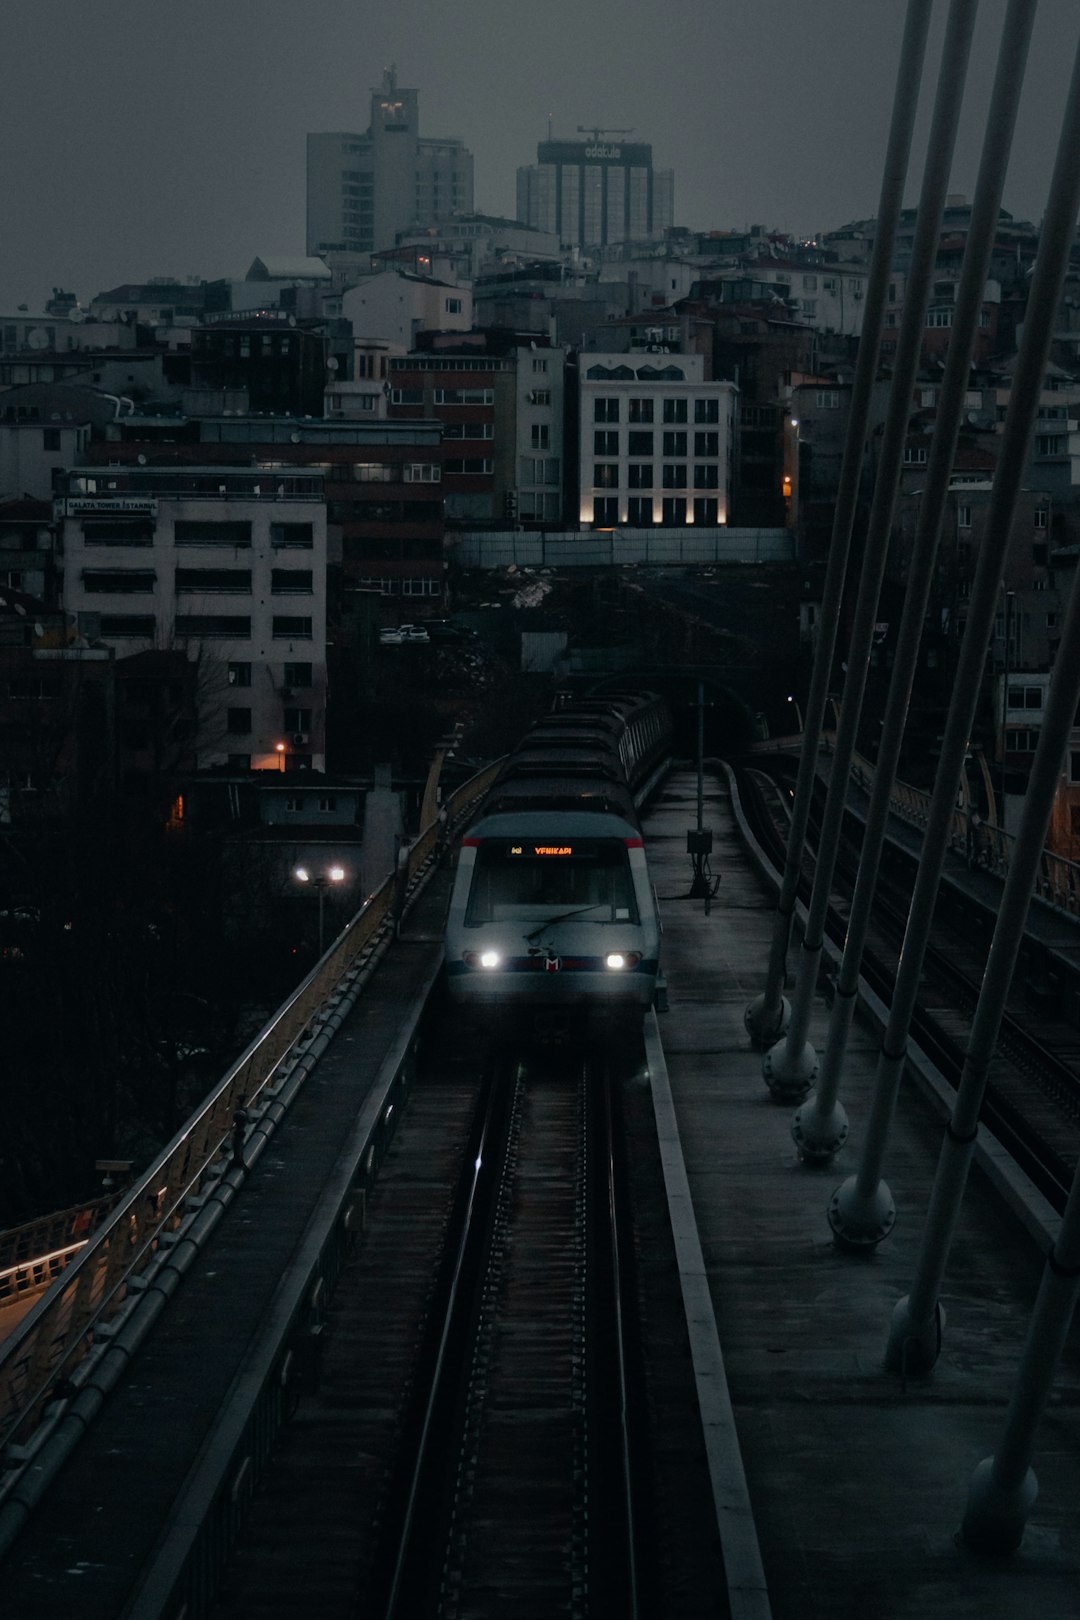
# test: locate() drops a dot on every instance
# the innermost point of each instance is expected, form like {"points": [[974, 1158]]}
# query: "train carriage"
{"points": [[552, 917]]}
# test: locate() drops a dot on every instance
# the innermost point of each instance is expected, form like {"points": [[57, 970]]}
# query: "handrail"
{"points": [[984, 847], [99, 1273]]}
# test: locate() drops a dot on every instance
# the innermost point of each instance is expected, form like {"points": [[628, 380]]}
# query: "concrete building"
{"points": [[589, 193], [499, 396], [362, 190], [226, 564], [656, 441], [397, 304]]}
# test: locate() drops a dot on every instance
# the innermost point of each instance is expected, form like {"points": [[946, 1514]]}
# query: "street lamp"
{"points": [[320, 882], [279, 750], [798, 713]]}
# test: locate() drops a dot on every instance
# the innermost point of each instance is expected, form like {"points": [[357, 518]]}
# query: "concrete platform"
{"points": [[858, 1481]]}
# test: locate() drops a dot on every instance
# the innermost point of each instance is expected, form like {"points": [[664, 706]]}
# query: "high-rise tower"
{"points": [[596, 191], [363, 189]]}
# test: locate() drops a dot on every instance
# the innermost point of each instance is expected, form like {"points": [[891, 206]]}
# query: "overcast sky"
{"points": [[150, 137]]}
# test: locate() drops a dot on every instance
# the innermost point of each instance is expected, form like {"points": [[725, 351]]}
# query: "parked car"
{"points": [[403, 634]]}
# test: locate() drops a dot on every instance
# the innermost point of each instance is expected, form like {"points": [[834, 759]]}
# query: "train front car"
{"points": [[553, 923]]}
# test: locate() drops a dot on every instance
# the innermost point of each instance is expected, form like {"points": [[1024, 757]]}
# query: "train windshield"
{"points": [[529, 880]]}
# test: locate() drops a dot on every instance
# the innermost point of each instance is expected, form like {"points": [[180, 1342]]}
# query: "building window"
{"points": [[914, 455], [298, 535], [286, 627], [540, 396], [118, 582], [641, 410], [674, 510], [606, 475], [297, 720], [706, 410], [298, 674], [640, 511], [963, 517], [117, 625], [469, 466], [1040, 517], [640, 475], [640, 444], [464, 396], [423, 472], [232, 581], [606, 511], [674, 444], [605, 443], [539, 367], [468, 430], [706, 510], [939, 317], [606, 408], [240, 674], [328, 801], [233, 627], [50, 438], [406, 396], [201, 532], [706, 444], [238, 721], [1049, 444], [118, 531], [452, 306], [706, 475], [291, 582], [674, 475], [674, 410]]}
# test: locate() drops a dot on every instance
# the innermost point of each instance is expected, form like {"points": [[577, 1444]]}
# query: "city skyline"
{"points": [[143, 142]]}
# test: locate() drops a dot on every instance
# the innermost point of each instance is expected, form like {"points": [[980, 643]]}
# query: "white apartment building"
{"points": [[396, 304], [228, 564], [655, 441]]}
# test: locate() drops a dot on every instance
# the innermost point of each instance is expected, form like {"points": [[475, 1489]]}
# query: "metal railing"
{"points": [[99, 1274], [983, 847]]}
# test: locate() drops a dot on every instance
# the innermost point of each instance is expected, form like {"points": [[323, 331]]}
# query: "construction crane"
{"points": [[595, 130]]}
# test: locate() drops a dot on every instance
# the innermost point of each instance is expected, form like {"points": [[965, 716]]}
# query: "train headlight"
{"points": [[619, 961], [483, 959]]}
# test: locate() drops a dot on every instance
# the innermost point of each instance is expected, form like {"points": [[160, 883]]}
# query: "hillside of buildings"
{"points": [[269, 543]]}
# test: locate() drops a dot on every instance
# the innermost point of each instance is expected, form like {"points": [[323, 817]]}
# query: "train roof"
{"points": [[543, 824], [558, 761], [586, 794]]}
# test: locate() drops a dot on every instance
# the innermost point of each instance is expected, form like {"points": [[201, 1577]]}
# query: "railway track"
{"points": [[1032, 1102], [496, 1429]]}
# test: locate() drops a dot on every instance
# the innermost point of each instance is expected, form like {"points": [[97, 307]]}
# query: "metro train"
{"points": [[552, 920]]}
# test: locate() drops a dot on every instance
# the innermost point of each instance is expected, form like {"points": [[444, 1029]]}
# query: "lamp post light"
{"points": [[798, 713], [279, 750], [320, 882]]}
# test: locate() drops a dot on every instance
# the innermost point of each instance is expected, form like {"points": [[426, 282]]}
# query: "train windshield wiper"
{"points": [[561, 917]]}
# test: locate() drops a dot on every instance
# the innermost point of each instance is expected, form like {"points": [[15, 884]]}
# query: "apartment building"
{"points": [[227, 565], [655, 441]]}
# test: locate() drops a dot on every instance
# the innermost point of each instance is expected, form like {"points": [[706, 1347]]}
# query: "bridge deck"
{"points": [[857, 1482]]}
